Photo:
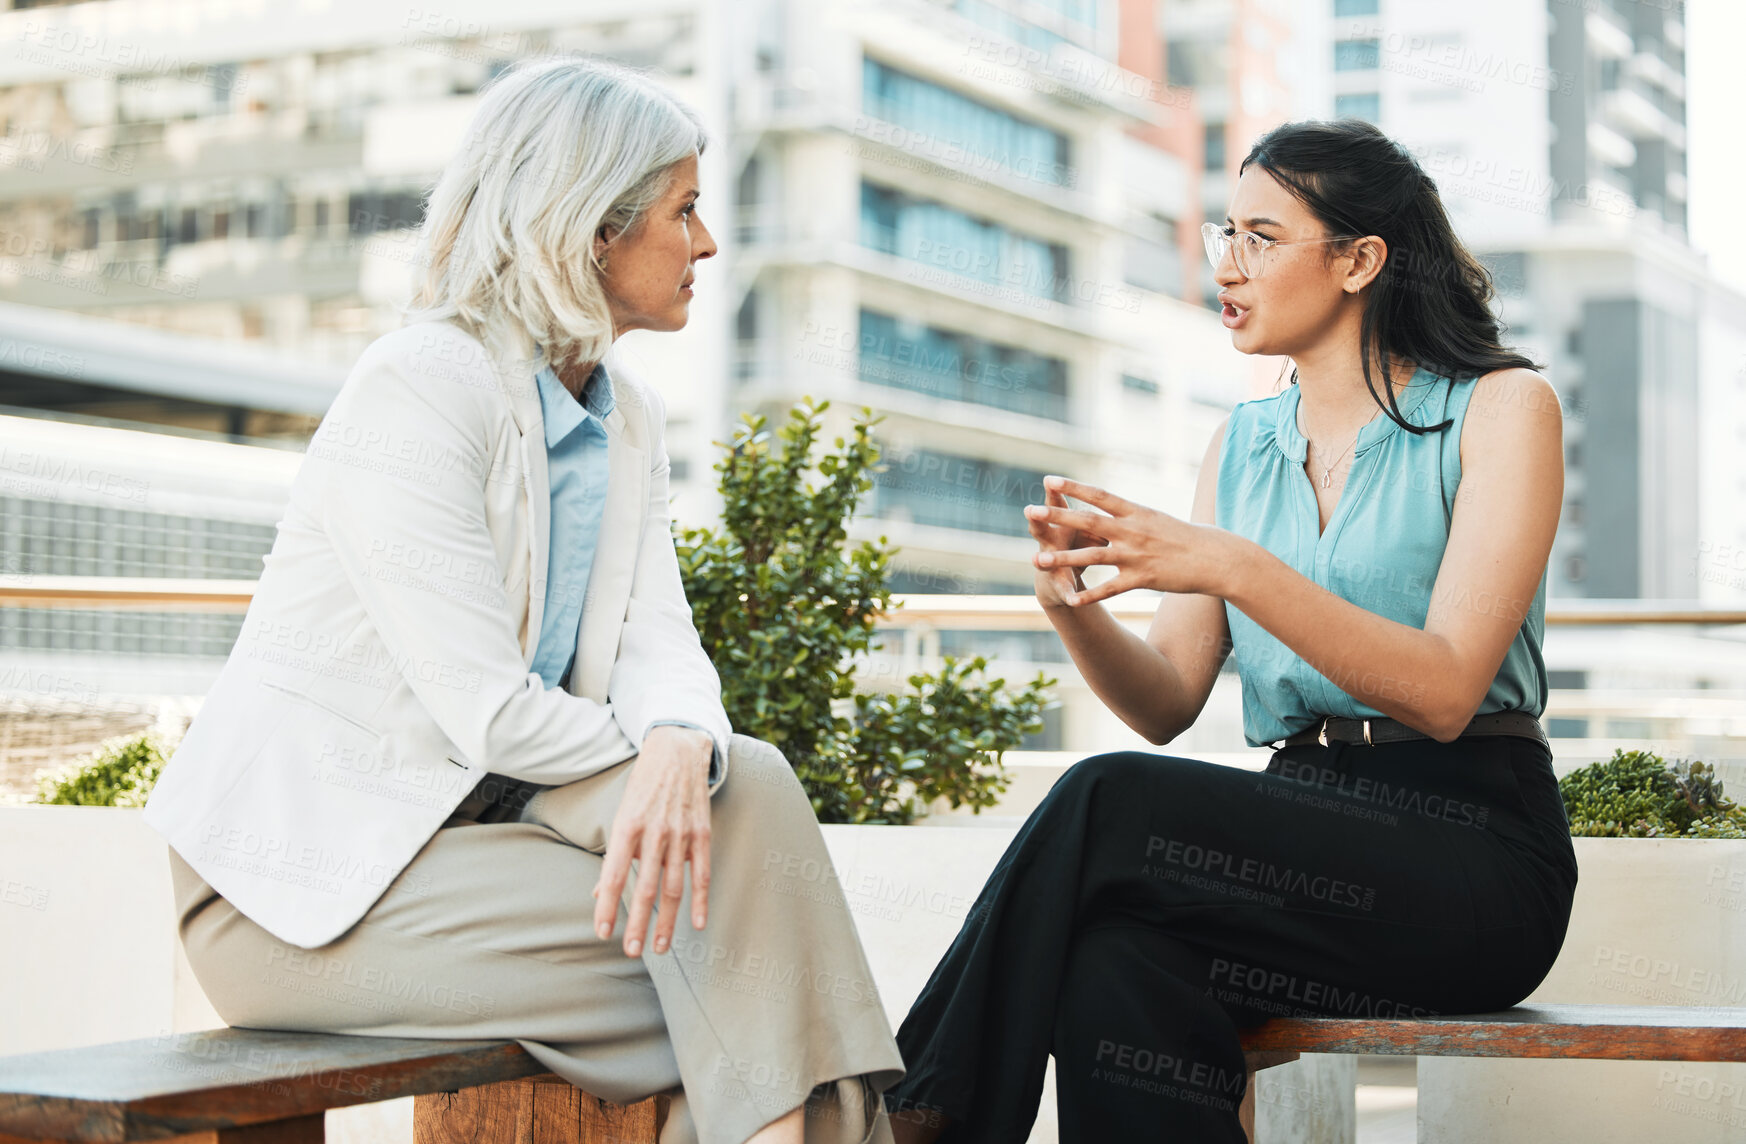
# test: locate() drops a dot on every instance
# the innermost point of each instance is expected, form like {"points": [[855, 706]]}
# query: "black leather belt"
{"points": [[1380, 729]]}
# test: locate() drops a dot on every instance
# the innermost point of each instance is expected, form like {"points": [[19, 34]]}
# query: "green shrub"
{"points": [[784, 605], [119, 773], [1638, 794]]}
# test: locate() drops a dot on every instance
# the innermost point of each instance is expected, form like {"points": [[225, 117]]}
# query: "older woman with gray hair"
{"points": [[469, 733]]}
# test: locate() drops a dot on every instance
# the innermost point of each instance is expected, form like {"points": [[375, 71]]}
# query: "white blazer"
{"points": [[385, 662]]}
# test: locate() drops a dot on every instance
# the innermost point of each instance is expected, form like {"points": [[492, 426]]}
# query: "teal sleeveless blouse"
{"points": [[1381, 551]]}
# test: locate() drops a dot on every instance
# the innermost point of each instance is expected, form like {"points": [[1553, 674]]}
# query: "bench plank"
{"points": [[160, 1087], [1583, 1032]]}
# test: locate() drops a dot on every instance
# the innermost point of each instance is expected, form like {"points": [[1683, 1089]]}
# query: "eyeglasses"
{"points": [[1250, 248]]}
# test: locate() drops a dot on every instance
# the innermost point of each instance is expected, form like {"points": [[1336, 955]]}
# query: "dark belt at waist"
{"points": [[1380, 729]]}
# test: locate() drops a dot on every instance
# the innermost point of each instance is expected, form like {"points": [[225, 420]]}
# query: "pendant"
{"points": [[1325, 478]]}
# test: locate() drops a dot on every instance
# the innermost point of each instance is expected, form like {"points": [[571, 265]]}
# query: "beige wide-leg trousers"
{"points": [[489, 933]]}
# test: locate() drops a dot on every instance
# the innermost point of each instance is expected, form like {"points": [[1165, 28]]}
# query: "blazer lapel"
{"points": [[512, 352], [615, 553]]}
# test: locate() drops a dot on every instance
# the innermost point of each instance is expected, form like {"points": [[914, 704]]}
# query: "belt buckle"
{"points": [[1367, 741], [1322, 732]]}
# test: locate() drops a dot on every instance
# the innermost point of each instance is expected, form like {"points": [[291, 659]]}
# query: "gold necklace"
{"points": [[1327, 472]]}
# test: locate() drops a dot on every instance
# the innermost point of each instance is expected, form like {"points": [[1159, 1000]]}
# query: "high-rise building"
{"points": [[1556, 133], [1244, 61]]}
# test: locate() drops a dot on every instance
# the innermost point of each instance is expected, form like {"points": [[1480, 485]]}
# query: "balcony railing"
{"points": [[1004, 613], [914, 628]]}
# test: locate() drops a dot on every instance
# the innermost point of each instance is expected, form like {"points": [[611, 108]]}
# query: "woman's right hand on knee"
{"points": [[662, 821]]}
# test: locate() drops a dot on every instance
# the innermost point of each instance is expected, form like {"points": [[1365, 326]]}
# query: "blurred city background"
{"points": [[978, 217]]}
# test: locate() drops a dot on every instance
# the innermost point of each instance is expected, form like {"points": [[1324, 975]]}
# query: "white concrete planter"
{"points": [[1656, 922], [88, 947], [89, 953]]}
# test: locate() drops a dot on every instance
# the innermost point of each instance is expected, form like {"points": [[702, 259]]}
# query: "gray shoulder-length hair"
{"points": [[557, 149]]}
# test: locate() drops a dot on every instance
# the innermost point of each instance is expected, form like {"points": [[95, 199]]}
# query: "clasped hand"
{"points": [[1148, 548]]}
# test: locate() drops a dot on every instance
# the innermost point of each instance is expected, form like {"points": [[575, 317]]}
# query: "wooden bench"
{"points": [[1571, 1032], [254, 1086]]}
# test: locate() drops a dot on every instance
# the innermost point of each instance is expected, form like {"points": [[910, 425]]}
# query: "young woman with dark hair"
{"points": [[1371, 543]]}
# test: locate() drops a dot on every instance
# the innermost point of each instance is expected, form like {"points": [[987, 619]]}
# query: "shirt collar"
{"points": [[561, 412]]}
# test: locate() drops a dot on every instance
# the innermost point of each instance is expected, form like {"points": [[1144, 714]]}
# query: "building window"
{"points": [[954, 243], [1215, 146], [56, 538], [1198, 63], [1135, 384], [1365, 105], [944, 490], [1356, 7], [746, 320], [961, 367], [1357, 55], [747, 189], [948, 123], [372, 211], [1152, 265]]}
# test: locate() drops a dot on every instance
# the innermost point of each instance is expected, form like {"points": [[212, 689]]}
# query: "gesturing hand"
{"points": [[1149, 549], [1056, 582], [663, 822]]}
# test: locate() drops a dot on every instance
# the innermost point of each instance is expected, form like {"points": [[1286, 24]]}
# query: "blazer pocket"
{"points": [[322, 704]]}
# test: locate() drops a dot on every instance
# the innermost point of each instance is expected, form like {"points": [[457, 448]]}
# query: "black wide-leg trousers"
{"points": [[1151, 906]]}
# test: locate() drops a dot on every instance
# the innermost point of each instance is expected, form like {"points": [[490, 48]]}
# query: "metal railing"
{"points": [[920, 628], [993, 613]]}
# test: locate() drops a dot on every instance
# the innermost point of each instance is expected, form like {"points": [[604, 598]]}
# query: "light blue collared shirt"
{"points": [[576, 461]]}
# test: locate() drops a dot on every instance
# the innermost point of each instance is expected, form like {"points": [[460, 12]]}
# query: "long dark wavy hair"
{"points": [[1431, 302]]}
